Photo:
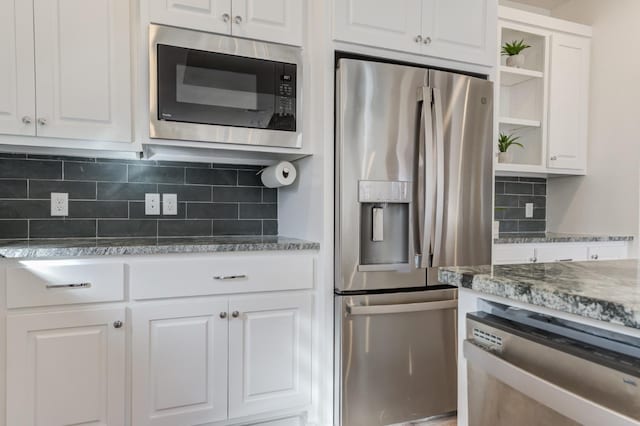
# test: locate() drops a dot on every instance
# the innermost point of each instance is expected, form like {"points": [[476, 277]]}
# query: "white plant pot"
{"points": [[505, 157], [516, 61]]}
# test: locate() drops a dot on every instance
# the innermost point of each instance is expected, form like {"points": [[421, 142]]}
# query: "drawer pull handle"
{"points": [[565, 260], [229, 277], [72, 286]]}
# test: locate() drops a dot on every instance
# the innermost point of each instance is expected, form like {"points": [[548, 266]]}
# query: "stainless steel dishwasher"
{"points": [[527, 369]]}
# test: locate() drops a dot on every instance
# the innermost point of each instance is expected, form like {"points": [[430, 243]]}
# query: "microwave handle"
{"points": [[549, 394]]}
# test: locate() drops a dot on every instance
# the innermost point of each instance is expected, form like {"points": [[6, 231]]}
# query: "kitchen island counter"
{"points": [[606, 291]]}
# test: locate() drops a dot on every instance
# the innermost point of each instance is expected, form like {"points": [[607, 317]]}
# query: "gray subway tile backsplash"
{"points": [[62, 228], [107, 198], [30, 169], [101, 172], [13, 189], [512, 195]]}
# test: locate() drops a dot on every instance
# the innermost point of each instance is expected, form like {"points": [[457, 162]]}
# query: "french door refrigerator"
{"points": [[414, 183]]}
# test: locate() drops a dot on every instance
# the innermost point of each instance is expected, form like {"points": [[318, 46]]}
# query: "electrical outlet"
{"points": [[528, 210], [59, 204], [151, 204], [169, 204]]}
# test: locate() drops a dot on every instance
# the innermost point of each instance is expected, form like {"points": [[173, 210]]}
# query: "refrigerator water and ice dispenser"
{"points": [[384, 225]]}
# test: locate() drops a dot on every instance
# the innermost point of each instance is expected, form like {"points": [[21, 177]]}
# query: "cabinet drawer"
{"points": [[505, 254], [608, 252], [47, 284], [220, 275], [561, 253]]}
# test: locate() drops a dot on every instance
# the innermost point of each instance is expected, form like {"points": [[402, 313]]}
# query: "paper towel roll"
{"points": [[281, 174]]}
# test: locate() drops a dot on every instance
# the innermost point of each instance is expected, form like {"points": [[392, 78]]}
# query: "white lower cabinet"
{"points": [[269, 353], [179, 367], [66, 368], [197, 362], [506, 254]]}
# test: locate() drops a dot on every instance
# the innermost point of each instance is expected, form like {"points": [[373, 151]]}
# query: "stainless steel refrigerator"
{"points": [[414, 186]]}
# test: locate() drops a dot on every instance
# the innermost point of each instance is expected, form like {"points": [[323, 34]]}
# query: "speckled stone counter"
{"points": [[552, 237], [35, 249], [605, 291]]}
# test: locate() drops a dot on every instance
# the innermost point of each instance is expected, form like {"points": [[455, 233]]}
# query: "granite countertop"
{"points": [[141, 246], [604, 291], [553, 237]]}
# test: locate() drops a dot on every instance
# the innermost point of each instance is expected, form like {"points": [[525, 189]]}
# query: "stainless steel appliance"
{"points": [[542, 372], [413, 192], [214, 88]]}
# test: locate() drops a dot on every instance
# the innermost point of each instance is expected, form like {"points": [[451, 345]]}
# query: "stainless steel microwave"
{"points": [[213, 88]]}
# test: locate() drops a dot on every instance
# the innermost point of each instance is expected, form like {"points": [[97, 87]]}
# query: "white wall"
{"points": [[607, 199]]}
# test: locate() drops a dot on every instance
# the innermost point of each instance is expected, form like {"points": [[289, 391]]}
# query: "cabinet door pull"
{"points": [[594, 256], [237, 20], [229, 277], [71, 286], [223, 315], [226, 17], [117, 324], [235, 314]]}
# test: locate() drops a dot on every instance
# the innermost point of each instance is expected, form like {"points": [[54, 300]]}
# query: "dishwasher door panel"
{"points": [[398, 357], [519, 374]]}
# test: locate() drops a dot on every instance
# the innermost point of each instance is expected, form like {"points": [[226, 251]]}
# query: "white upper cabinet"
{"points": [[462, 30], [459, 29], [278, 21], [269, 353], [180, 363], [204, 15], [545, 102], [382, 23], [66, 368], [569, 102], [17, 84], [83, 69]]}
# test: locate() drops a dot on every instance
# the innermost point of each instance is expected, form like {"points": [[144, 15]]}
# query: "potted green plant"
{"points": [[504, 143], [513, 52]]}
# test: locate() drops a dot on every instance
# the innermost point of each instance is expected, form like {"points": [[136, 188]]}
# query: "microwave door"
{"points": [[212, 88]]}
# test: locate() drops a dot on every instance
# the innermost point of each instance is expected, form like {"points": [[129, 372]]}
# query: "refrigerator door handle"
{"points": [[436, 236], [425, 189]]}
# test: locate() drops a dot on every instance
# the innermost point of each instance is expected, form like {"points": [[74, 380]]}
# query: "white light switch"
{"points": [[528, 210], [169, 204], [59, 204], [151, 204]]}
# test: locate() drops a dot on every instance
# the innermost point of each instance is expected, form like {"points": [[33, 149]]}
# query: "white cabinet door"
{"points": [[561, 253], [608, 252], [509, 254], [17, 75], [568, 102], [205, 15], [179, 368], [462, 30], [66, 368], [83, 78], [279, 21], [269, 353], [380, 23]]}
